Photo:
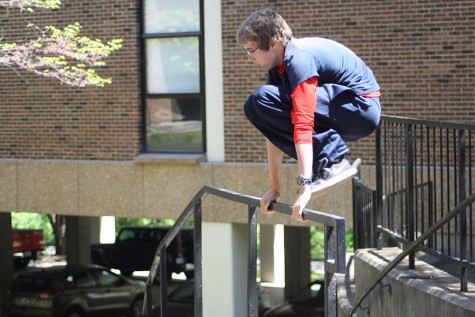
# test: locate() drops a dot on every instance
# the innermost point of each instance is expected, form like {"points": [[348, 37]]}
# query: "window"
{"points": [[173, 75], [106, 279], [83, 279]]}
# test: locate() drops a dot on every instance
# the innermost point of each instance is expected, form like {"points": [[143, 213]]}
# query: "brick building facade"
{"points": [[422, 53]]}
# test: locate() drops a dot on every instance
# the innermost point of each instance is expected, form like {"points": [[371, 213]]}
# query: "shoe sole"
{"points": [[337, 180]]}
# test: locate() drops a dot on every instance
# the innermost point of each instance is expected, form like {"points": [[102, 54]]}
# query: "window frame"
{"points": [[146, 95]]}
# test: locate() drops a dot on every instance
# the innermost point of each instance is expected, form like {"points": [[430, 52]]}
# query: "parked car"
{"points": [[26, 244], [134, 249], [181, 301], [309, 302], [75, 291]]}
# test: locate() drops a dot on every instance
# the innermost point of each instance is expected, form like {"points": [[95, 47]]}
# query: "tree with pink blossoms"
{"points": [[62, 54]]}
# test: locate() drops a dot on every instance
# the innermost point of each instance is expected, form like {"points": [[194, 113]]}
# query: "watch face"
{"points": [[302, 180]]}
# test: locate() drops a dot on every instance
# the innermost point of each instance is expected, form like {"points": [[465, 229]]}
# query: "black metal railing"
{"points": [[364, 213], [424, 195], [334, 255], [427, 171], [424, 169]]}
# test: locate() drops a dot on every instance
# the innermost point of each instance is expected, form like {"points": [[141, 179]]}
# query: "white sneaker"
{"points": [[334, 175]]}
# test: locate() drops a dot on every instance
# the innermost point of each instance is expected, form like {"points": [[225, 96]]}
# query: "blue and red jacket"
{"points": [[312, 62]]}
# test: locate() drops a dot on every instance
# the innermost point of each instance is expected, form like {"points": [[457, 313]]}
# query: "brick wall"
{"points": [[43, 119], [422, 52]]}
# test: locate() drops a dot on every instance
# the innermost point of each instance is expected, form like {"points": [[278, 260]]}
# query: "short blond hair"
{"points": [[261, 27]]}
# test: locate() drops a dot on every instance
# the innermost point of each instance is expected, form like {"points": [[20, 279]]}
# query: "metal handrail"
{"points": [[429, 123], [334, 259], [457, 210]]}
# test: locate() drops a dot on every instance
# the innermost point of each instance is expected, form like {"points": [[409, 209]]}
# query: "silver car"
{"points": [[75, 291]]}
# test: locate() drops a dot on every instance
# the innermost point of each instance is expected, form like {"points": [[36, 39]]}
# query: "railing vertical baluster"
{"points": [[441, 190], [410, 189], [416, 195], [147, 310], [357, 215], [330, 287], [430, 215], [163, 282], [401, 175], [334, 262], [378, 208], [470, 188], [198, 259], [463, 214], [455, 151], [431, 204], [252, 307], [448, 191]]}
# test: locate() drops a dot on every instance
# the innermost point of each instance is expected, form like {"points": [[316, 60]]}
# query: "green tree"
{"points": [[53, 226], [27, 220], [61, 54]]}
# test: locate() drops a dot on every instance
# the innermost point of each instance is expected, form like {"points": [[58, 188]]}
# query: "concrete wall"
{"points": [[424, 291], [148, 190]]}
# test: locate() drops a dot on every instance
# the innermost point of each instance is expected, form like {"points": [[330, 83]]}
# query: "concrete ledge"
{"points": [[170, 158], [424, 291]]}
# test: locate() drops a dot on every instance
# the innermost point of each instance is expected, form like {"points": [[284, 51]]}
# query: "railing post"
{"points": [[357, 215], [379, 191], [335, 262], [148, 309], [163, 282], [198, 259], [463, 215], [252, 307], [410, 190]]}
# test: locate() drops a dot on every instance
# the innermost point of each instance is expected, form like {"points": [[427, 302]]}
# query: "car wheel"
{"points": [[137, 308], [74, 313]]}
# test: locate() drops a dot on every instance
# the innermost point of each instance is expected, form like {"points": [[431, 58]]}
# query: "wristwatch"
{"points": [[303, 180]]}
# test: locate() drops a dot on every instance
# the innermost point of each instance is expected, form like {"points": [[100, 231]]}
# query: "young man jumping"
{"points": [[319, 95]]}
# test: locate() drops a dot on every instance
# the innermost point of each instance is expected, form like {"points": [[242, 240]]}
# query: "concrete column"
{"points": [[225, 254], [95, 225], [107, 229], [297, 259], [272, 254], [6, 264], [78, 240]]}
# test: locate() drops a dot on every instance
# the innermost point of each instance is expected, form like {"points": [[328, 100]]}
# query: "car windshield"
{"points": [[309, 295], [32, 284]]}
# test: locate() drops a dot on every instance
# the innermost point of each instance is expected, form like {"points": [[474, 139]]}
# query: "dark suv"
{"points": [[75, 291]]}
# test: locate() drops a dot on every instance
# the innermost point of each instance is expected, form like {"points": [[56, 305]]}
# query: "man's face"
{"points": [[265, 60]]}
